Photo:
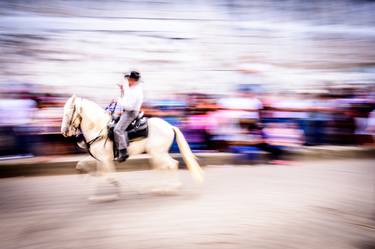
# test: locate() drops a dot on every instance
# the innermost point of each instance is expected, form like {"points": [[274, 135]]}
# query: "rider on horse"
{"points": [[131, 101]]}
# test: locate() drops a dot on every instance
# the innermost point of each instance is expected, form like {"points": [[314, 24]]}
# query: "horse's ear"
{"points": [[72, 100]]}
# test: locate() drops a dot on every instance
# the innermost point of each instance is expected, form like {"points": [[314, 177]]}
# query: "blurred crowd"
{"points": [[247, 121], [251, 121], [30, 119]]}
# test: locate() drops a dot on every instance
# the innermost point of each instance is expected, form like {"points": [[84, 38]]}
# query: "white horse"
{"points": [[92, 120]]}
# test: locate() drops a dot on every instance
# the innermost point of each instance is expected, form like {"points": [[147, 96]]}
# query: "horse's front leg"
{"points": [[87, 165], [106, 169]]}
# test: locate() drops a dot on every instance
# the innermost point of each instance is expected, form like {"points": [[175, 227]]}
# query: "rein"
{"points": [[97, 138], [89, 143], [71, 124], [73, 119]]}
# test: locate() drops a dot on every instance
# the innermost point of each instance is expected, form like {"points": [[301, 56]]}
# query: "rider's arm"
{"points": [[123, 88], [132, 99]]}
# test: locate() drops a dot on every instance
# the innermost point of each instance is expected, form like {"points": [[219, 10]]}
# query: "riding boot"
{"points": [[122, 155]]}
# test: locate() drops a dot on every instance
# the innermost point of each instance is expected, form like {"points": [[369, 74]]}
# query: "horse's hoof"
{"points": [[81, 169], [164, 192], [104, 198], [167, 190], [114, 182]]}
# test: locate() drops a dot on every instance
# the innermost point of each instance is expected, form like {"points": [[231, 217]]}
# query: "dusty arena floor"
{"points": [[321, 204]]}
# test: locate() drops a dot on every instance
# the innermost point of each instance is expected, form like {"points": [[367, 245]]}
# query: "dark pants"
{"points": [[121, 136], [275, 152]]}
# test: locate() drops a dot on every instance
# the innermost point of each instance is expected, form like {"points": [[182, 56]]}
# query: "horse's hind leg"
{"points": [[161, 136], [166, 169]]}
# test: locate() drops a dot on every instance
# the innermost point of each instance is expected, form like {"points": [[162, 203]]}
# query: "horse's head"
{"points": [[72, 116]]}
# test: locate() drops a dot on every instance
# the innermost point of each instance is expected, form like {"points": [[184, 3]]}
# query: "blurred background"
{"points": [[286, 85], [236, 76]]}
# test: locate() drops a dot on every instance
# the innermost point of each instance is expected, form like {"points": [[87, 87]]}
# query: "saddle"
{"points": [[138, 128]]}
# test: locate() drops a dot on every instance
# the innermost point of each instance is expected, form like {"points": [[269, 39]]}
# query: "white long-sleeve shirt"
{"points": [[133, 97]]}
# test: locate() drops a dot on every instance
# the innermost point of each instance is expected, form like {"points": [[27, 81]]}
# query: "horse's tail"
{"points": [[188, 156]]}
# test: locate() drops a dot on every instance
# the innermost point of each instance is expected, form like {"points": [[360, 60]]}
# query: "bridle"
{"points": [[75, 116]]}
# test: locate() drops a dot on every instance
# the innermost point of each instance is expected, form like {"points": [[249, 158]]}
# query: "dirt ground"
{"points": [[320, 204]]}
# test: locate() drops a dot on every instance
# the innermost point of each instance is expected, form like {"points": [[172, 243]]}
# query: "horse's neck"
{"points": [[94, 119]]}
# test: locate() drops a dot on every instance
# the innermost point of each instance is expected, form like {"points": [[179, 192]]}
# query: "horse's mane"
{"points": [[95, 113]]}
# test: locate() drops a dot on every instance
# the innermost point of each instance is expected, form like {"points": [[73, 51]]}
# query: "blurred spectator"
{"points": [[371, 125], [243, 108], [319, 116], [221, 123], [16, 113], [199, 123], [283, 134]]}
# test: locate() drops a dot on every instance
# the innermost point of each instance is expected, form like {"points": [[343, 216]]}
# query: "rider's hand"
{"points": [[121, 86]]}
